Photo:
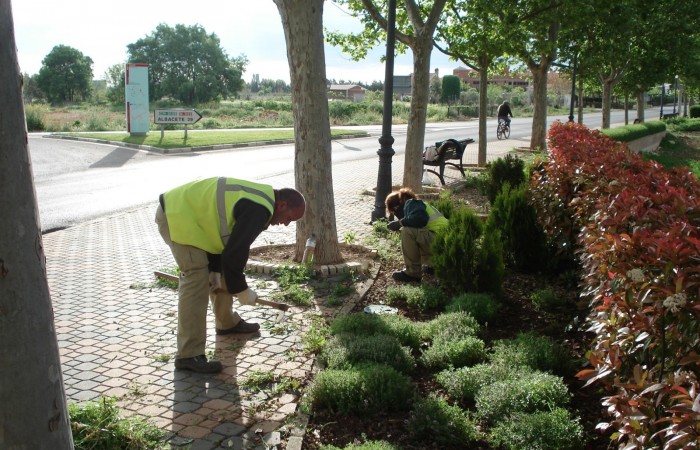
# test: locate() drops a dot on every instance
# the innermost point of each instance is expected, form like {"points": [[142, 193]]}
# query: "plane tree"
{"points": [[415, 26], [34, 412], [187, 64], [302, 21], [472, 32]]}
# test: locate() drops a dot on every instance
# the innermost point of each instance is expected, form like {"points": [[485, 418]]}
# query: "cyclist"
{"points": [[504, 112]]}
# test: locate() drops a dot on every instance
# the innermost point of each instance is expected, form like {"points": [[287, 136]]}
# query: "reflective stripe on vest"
{"points": [[436, 220], [226, 211], [200, 213]]}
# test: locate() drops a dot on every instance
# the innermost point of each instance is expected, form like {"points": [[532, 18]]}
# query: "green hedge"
{"points": [[631, 132], [694, 111]]}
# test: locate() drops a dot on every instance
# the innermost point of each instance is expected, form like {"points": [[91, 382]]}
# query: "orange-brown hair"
{"points": [[398, 198]]}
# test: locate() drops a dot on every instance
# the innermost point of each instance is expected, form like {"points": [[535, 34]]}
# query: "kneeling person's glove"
{"points": [[394, 225], [247, 297]]}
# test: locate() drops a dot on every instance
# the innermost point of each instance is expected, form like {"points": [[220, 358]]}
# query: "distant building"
{"points": [[471, 77], [347, 91], [403, 83]]}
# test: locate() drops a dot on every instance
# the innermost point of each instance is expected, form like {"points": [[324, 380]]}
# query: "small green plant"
{"points": [[349, 237], [482, 307], [405, 330], [170, 284], [348, 350], [544, 430], [444, 353], [436, 421], [314, 340], [423, 297], [365, 390], [368, 445], [536, 391], [263, 380], [546, 300], [35, 119], [464, 383], [450, 327], [97, 425], [533, 351], [298, 295], [293, 274], [162, 358]]}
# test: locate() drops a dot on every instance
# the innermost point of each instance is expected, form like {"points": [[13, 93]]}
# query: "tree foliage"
{"points": [[187, 64], [65, 75], [415, 28], [451, 87]]}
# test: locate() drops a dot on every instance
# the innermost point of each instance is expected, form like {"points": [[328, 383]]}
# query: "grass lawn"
{"points": [[201, 138]]}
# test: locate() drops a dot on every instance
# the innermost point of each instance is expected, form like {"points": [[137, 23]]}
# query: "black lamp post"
{"points": [[675, 97], [386, 151], [661, 114], [573, 88]]}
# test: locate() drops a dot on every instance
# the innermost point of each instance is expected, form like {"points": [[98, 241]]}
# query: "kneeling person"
{"points": [[418, 223]]}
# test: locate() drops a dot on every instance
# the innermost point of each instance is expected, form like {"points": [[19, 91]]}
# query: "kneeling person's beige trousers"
{"points": [[415, 245]]}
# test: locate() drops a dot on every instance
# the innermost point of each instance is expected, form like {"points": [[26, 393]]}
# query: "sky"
{"points": [[102, 30]]}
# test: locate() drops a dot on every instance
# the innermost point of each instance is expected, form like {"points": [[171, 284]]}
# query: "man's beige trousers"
{"points": [[193, 294]]}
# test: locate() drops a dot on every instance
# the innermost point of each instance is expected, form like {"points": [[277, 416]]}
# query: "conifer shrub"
{"points": [[489, 267], [509, 169], [542, 430], [455, 250], [483, 307], [436, 421], [535, 391], [363, 390], [402, 328], [524, 242], [347, 350], [445, 203]]}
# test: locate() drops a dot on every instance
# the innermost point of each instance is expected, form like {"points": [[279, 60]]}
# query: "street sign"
{"points": [[176, 116]]}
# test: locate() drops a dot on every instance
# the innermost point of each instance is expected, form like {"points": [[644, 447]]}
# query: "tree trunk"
{"points": [[640, 106], [539, 115], [33, 412], [415, 137], [302, 21], [483, 104], [607, 101], [580, 101]]}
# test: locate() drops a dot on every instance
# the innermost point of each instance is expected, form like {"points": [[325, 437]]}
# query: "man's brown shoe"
{"points": [[198, 364], [241, 327]]}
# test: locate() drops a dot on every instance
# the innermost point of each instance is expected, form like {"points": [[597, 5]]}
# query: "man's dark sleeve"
{"points": [[415, 214], [251, 220]]}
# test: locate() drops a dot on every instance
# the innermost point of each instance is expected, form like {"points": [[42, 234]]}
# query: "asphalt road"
{"points": [[79, 181]]}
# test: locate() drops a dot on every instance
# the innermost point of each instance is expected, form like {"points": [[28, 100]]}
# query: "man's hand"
{"points": [[214, 281], [394, 225], [247, 297]]}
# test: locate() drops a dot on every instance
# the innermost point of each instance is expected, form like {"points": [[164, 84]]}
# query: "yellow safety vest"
{"points": [[200, 213], [436, 221]]}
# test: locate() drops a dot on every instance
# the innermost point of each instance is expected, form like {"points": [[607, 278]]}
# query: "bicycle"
{"points": [[503, 130]]}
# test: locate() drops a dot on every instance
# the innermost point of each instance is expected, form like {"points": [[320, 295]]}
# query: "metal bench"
{"points": [[445, 152]]}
